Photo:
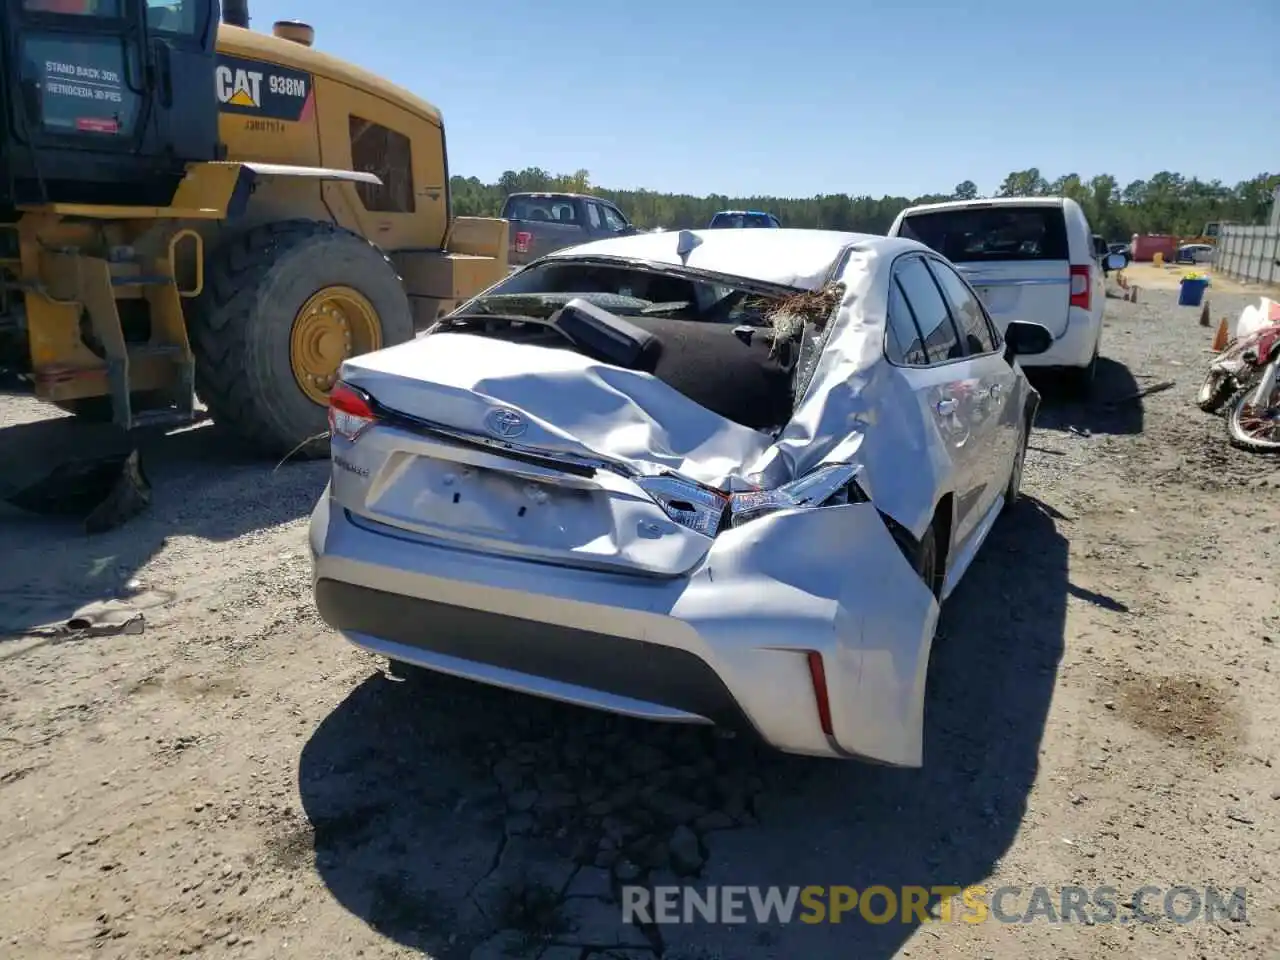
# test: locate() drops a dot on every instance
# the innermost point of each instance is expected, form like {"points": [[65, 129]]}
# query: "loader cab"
{"points": [[104, 101]]}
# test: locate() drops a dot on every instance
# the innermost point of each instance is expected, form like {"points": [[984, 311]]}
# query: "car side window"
{"points": [[922, 295], [388, 155], [613, 219], [992, 331], [966, 309], [593, 216], [904, 344]]}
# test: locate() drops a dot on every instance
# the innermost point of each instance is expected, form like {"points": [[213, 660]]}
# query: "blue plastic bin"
{"points": [[1191, 292]]}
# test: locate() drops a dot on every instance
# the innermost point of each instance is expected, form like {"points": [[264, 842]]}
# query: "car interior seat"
{"points": [[741, 377]]}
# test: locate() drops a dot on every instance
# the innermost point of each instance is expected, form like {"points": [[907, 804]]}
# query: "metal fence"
{"points": [[1251, 254]]}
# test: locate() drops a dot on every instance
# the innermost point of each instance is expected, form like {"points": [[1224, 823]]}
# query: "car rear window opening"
{"points": [[974, 235], [740, 220]]}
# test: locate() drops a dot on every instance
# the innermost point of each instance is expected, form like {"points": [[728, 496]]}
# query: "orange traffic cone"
{"points": [[1220, 338], [1205, 320]]}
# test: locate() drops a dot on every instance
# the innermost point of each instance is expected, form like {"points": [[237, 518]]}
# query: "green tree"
{"points": [[1024, 183], [1166, 203]]}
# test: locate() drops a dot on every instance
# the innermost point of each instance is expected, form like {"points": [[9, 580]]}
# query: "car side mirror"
{"points": [[1114, 261], [1023, 339]]}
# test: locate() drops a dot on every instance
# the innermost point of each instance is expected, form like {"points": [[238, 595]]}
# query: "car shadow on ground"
{"points": [[202, 485], [1113, 406], [455, 818]]}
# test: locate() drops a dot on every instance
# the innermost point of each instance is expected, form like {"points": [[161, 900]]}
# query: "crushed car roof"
{"points": [[793, 258]]}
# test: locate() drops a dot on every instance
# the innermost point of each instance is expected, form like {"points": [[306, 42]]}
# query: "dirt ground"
{"points": [[1147, 276], [236, 781]]}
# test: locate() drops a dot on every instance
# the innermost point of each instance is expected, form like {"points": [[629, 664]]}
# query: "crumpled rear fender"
{"points": [[858, 408], [830, 580]]}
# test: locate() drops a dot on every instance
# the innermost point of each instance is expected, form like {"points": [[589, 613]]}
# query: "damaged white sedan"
{"points": [[702, 477]]}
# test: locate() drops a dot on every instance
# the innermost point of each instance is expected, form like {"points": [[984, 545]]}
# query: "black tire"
{"points": [[922, 554], [1014, 487], [1079, 380], [929, 561], [1215, 391], [1236, 434], [241, 326]]}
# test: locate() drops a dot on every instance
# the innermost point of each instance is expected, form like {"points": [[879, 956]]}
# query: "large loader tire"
{"points": [[282, 306]]}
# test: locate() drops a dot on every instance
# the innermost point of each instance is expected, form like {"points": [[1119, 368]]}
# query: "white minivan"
{"points": [[1030, 259]]}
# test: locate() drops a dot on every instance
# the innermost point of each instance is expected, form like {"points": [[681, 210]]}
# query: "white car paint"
{"points": [[1196, 252], [1036, 290]]}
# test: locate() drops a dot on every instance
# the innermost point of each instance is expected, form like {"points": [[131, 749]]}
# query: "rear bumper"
{"points": [[728, 648], [633, 676], [1074, 348]]}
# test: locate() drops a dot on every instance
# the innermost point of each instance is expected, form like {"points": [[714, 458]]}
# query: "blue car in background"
{"points": [[736, 219]]}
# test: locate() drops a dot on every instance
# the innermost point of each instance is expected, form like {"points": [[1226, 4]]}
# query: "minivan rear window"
{"points": [[978, 234], [741, 220]]}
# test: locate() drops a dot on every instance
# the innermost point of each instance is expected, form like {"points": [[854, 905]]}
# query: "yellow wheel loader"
{"points": [[191, 208]]}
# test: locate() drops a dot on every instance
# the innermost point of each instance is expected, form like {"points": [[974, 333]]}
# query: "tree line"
{"points": [[1166, 203]]}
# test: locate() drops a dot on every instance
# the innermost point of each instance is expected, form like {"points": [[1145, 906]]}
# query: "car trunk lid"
{"points": [[539, 456]]}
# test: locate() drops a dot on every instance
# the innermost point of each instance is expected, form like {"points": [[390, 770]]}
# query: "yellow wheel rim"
{"points": [[335, 323]]}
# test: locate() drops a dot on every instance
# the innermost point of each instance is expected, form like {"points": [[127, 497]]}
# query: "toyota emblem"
{"points": [[505, 424]]}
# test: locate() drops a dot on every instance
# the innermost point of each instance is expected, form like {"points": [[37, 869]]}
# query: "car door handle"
{"points": [[946, 407]]}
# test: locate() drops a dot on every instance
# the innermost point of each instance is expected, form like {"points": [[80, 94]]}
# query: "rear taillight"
{"points": [[1081, 286], [350, 411], [818, 677], [708, 511], [523, 239]]}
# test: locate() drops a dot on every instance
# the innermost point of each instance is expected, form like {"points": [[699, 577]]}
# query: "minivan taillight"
{"points": [[350, 411], [1081, 286]]}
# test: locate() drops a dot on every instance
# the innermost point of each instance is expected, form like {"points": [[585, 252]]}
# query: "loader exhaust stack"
{"points": [[235, 13]]}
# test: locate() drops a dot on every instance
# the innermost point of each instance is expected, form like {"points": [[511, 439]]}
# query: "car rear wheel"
{"points": [[927, 562], [1080, 379], [1012, 491], [923, 554]]}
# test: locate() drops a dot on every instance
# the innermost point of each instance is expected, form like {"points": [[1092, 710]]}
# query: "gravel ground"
{"points": [[236, 781]]}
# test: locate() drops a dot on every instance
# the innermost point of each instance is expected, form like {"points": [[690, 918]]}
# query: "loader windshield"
{"points": [[75, 84], [84, 8], [178, 17]]}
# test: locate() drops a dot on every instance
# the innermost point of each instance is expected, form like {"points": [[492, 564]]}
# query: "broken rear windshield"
{"points": [[970, 235], [540, 290], [708, 337]]}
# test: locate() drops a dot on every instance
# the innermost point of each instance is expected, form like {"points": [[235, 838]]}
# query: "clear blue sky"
{"points": [[794, 98]]}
